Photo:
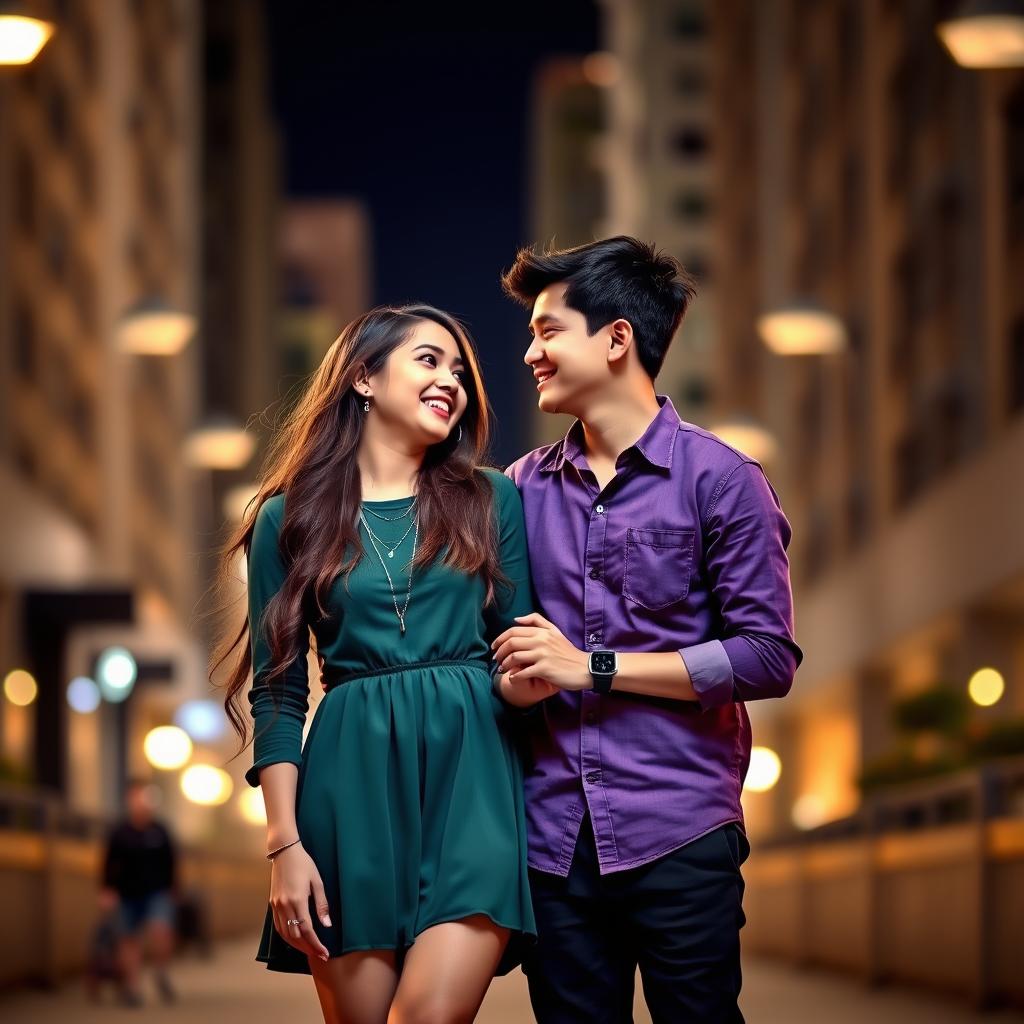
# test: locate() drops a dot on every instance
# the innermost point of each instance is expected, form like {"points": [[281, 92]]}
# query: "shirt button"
{"points": [[593, 776], [594, 574], [594, 638], [591, 718], [599, 510]]}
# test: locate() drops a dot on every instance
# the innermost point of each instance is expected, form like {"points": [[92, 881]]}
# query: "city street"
{"points": [[232, 989]]}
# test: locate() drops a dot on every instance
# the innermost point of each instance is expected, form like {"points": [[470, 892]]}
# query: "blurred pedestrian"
{"points": [[139, 884]]}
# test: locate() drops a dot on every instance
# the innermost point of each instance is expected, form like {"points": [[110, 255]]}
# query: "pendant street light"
{"points": [[802, 329], [748, 436], [22, 36], [153, 328], [986, 34], [219, 443]]}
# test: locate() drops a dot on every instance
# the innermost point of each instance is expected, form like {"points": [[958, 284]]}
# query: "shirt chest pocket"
{"points": [[657, 566]]}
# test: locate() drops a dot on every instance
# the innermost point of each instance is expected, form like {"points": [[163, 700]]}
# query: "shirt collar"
{"points": [[656, 444]]}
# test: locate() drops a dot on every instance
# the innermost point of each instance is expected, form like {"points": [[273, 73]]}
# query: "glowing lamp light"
{"points": [[986, 34], [747, 436], [167, 747], [206, 785], [116, 673], [21, 37], [802, 329], [203, 720], [220, 443], [83, 695], [153, 328], [764, 771], [252, 807], [236, 500], [986, 687], [809, 811], [20, 687]]}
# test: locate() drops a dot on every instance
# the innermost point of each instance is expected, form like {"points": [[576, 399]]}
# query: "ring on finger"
{"points": [[295, 920]]}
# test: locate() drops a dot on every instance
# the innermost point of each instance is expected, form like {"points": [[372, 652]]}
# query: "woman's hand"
{"points": [[293, 879], [524, 693]]}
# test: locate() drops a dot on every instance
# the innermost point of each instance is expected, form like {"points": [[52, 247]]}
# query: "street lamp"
{"points": [[152, 327], [986, 34], [802, 329], [748, 436], [219, 443], [22, 36]]}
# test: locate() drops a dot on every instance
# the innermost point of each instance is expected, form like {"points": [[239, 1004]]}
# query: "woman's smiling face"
{"points": [[420, 390]]}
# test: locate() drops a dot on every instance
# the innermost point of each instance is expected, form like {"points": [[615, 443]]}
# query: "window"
{"points": [[690, 142]]}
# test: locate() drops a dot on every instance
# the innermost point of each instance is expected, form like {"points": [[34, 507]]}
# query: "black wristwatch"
{"points": [[603, 665]]}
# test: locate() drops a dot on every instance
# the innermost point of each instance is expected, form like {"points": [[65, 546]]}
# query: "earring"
{"points": [[366, 406], [459, 438]]}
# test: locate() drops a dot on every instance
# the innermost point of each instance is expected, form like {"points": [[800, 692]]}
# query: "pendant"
{"points": [[391, 554], [401, 623]]}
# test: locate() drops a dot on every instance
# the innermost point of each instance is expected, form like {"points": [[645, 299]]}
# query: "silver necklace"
{"points": [[400, 612], [392, 548], [391, 519]]}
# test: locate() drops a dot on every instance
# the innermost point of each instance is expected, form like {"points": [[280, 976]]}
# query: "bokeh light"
{"points": [[20, 687], [21, 38], [204, 784], [252, 807], [167, 747], [765, 769], [83, 695], [986, 687], [116, 673], [203, 720]]}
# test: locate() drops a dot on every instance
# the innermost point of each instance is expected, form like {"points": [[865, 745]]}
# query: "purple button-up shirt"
{"points": [[684, 549]]}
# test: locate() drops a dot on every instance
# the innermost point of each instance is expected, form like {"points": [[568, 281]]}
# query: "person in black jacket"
{"points": [[139, 881]]}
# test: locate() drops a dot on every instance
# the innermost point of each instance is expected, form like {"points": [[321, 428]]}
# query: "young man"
{"points": [[659, 561]]}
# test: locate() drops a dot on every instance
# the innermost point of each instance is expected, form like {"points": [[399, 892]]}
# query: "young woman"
{"points": [[397, 833]]}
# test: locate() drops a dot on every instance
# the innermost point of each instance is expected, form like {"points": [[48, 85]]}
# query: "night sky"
{"points": [[423, 111]]}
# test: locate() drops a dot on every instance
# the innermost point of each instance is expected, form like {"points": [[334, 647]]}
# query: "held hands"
{"points": [[539, 661], [293, 878]]}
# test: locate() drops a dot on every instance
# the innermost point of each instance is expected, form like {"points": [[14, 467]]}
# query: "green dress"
{"points": [[409, 796]]}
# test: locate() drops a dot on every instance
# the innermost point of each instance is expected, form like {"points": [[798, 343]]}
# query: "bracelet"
{"points": [[281, 849]]}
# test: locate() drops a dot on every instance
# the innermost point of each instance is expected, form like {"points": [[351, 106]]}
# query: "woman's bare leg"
{"points": [[356, 988], [447, 971]]}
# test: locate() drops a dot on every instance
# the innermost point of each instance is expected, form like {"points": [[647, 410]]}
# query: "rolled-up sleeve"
{"points": [[278, 724], [746, 537]]}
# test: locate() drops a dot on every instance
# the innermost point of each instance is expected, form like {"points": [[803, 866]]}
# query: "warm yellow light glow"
{"points": [[802, 331], [809, 811], [167, 747], [152, 328], [20, 687], [986, 687], [749, 437], [252, 807], [204, 784], [220, 445], [236, 500], [765, 769], [22, 38], [602, 69], [986, 35]]}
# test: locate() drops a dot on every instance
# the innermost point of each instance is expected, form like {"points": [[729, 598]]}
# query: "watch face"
{"points": [[603, 661]]}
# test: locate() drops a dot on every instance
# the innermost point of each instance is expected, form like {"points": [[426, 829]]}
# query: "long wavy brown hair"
{"points": [[312, 459]]}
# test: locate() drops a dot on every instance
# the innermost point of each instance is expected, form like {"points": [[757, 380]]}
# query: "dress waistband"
{"points": [[408, 667]]}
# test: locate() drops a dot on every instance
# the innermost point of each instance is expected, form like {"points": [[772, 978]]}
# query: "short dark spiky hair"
{"points": [[611, 279]]}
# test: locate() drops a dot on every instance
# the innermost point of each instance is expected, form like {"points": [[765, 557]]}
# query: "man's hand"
{"points": [[537, 650]]}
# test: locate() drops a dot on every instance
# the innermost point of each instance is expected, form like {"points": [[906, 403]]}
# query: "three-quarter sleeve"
{"points": [[278, 724], [756, 655], [515, 561]]}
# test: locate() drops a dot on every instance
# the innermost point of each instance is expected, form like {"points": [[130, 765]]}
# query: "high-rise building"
{"points": [[861, 168], [98, 211]]}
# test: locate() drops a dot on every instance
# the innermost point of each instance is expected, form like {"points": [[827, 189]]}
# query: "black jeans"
{"points": [[677, 918]]}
